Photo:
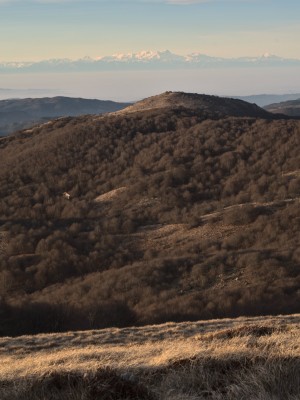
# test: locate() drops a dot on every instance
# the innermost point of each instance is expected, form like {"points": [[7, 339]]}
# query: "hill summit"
{"points": [[213, 105]]}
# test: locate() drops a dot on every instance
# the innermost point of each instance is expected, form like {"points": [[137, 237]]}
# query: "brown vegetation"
{"points": [[208, 226]]}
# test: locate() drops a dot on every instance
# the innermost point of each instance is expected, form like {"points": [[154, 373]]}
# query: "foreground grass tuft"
{"points": [[105, 384], [242, 331], [232, 379], [242, 379]]}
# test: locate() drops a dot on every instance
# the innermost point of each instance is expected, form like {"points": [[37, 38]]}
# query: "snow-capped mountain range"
{"points": [[146, 60]]}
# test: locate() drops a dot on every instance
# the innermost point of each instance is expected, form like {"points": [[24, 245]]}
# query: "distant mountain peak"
{"points": [[266, 55], [146, 59], [142, 56]]}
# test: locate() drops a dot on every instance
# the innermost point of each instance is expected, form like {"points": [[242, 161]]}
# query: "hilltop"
{"points": [[182, 207], [209, 105], [16, 114]]}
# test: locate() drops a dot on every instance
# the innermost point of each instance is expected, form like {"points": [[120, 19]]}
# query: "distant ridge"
{"points": [[290, 108], [263, 100], [60, 105], [212, 104], [18, 114]]}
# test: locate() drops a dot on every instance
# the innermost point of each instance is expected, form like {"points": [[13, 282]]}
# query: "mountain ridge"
{"points": [[146, 59]]}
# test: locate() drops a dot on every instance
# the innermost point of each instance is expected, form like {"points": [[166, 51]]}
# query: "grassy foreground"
{"points": [[245, 358]]}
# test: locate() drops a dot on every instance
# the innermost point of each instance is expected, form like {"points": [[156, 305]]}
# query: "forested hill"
{"points": [[175, 213]]}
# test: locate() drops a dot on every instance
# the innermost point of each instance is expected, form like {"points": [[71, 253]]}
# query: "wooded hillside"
{"points": [[174, 214]]}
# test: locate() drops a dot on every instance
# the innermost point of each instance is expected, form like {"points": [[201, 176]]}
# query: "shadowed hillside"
{"points": [[176, 212], [18, 114]]}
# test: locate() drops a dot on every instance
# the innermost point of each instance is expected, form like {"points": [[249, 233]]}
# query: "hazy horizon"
{"points": [[34, 30], [134, 85]]}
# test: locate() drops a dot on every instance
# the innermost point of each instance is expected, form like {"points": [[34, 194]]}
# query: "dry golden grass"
{"points": [[167, 236], [111, 195], [3, 242], [244, 358], [292, 173]]}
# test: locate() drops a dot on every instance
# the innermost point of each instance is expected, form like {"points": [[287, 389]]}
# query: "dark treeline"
{"points": [[81, 264]]}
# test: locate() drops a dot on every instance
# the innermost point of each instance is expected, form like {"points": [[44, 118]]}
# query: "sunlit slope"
{"points": [[228, 359]]}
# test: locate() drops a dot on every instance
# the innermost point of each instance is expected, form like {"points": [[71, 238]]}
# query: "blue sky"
{"points": [[34, 30]]}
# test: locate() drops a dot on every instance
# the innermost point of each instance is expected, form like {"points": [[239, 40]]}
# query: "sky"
{"points": [[32, 30]]}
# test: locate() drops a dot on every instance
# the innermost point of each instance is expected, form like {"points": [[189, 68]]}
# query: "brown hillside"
{"points": [[173, 215]]}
